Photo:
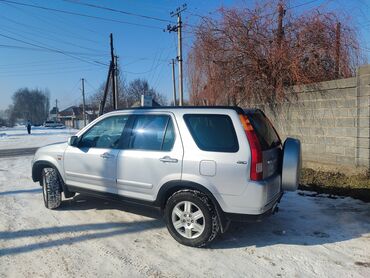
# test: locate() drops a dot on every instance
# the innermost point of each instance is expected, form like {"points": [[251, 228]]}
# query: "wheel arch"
{"points": [[37, 172], [37, 169], [171, 187]]}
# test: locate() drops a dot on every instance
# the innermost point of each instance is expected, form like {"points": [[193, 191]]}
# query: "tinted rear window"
{"points": [[265, 131], [214, 133]]}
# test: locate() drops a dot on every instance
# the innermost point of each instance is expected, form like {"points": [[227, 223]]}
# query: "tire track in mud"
{"points": [[17, 152]]}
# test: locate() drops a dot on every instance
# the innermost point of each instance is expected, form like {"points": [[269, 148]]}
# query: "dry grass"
{"points": [[336, 183]]}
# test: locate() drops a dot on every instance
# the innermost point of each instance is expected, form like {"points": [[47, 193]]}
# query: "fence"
{"points": [[331, 119]]}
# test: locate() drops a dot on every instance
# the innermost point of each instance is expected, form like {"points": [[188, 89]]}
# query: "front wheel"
{"points": [[191, 218], [51, 190]]}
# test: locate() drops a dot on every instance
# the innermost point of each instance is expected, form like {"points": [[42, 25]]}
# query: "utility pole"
{"points": [[178, 28], [116, 79], [102, 103], [179, 37], [56, 110], [114, 92], [337, 48], [83, 100], [280, 30], [278, 80], [174, 82]]}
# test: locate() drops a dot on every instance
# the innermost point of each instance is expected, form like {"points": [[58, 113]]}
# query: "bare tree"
{"points": [[139, 87], [128, 94], [95, 99], [30, 105], [247, 55]]}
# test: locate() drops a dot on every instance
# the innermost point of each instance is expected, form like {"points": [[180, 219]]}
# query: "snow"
{"points": [[309, 237], [17, 137]]}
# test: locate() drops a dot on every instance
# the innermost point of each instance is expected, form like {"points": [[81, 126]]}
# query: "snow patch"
{"points": [[310, 236], [17, 137]]}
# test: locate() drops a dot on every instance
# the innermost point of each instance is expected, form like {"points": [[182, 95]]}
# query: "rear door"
{"points": [[213, 153], [152, 156]]}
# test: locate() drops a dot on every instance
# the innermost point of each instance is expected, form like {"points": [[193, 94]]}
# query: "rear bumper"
{"points": [[257, 198], [269, 209]]}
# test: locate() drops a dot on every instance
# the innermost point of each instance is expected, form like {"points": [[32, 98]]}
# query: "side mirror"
{"points": [[73, 141]]}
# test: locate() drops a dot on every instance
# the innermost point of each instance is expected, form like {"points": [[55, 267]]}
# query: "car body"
{"points": [[53, 124], [229, 159]]}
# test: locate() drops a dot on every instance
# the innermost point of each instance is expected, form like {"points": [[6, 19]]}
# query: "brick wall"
{"points": [[331, 119]]}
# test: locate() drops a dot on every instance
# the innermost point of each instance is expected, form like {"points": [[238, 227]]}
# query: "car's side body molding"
{"points": [[165, 192], [111, 196]]}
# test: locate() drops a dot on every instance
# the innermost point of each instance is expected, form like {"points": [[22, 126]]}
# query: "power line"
{"points": [[54, 50], [38, 62], [265, 15], [48, 36], [160, 73], [47, 72], [155, 64], [10, 46], [118, 11], [80, 14], [44, 68], [59, 27], [91, 86], [303, 4], [72, 91]]}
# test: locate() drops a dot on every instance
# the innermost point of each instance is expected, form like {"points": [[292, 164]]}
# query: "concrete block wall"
{"points": [[332, 120], [363, 116]]}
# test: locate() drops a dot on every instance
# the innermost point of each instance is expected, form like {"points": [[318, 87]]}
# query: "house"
{"points": [[53, 114], [141, 104], [73, 116]]}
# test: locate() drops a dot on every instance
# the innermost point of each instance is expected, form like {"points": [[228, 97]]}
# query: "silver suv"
{"points": [[202, 166]]}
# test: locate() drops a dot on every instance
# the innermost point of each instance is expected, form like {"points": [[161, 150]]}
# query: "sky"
{"points": [[43, 48]]}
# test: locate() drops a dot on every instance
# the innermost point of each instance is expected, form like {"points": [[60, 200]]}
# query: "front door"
{"points": [[152, 156], [92, 164]]}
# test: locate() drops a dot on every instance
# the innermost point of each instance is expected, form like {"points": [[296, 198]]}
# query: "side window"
{"points": [[211, 132], [152, 132], [104, 134], [169, 137]]}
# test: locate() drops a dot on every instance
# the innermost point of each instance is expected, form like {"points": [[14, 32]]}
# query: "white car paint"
{"points": [[140, 174]]}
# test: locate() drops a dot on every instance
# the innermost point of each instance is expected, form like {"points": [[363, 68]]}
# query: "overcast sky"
{"points": [[51, 49]]}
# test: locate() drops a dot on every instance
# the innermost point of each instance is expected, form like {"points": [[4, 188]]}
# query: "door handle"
{"points": [[167, 159], [106, 155]]}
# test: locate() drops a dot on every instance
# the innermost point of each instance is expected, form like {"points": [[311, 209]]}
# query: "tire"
{"points": [[51, 189], [191, 218]]}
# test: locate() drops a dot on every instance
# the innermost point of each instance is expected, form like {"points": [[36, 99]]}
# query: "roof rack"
{"points": [[236, 108]]}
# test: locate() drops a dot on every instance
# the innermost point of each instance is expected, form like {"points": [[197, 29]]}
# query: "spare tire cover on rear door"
{"points": [[291, 167]]}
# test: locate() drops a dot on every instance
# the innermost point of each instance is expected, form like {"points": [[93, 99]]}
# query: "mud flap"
{"points": [[292, 163]]}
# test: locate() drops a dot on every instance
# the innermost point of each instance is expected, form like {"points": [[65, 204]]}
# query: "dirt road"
{"points": [[17, 152], [87, 237]]}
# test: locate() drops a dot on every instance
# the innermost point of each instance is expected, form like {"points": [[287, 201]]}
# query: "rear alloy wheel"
{"points": [[191, 218], [51, 190], [188, 219]]}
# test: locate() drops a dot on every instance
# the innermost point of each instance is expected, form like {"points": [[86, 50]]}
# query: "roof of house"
{"points": [[71, 111], [55, 110], [138, 104]]}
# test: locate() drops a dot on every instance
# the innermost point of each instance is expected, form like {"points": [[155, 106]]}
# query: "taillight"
{"points": [[256, 151]]}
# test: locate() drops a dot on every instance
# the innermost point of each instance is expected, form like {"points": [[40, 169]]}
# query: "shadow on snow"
{"points": [[300, 221]]}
